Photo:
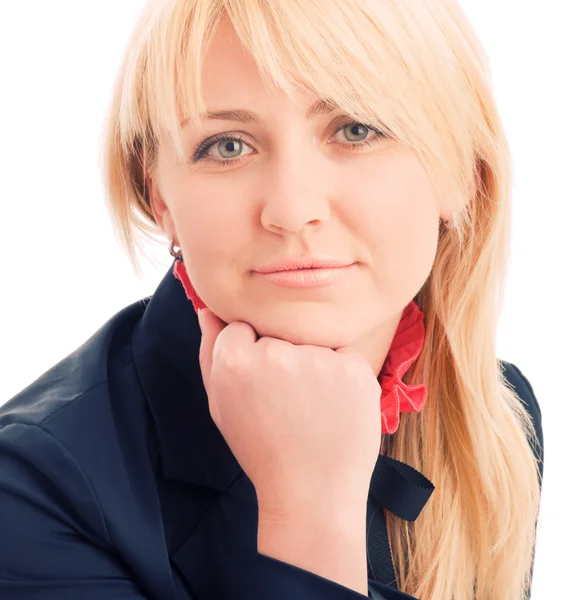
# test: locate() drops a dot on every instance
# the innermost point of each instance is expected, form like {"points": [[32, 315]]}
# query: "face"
{"points": [[296, 186]]}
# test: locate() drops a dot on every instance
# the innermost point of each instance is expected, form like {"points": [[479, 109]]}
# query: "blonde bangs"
{"points": [[376, 61]]}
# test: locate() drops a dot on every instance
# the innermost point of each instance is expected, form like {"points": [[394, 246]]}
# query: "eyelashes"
{"points": [[200, 153]]}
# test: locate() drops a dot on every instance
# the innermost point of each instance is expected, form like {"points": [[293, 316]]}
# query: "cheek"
{"points": [[401, 222], [213, 242], [212, 225]]}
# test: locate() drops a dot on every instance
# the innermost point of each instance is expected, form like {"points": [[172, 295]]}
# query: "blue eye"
{"points": [[237, 142]]}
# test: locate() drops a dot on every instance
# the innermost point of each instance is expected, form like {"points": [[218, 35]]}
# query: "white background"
{"points": [[63, 274]]}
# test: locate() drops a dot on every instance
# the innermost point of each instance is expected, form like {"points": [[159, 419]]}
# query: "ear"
{"points": [[160, 209]]}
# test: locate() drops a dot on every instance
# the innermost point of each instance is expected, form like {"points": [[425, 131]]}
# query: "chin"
{"points": [[315, 326]]}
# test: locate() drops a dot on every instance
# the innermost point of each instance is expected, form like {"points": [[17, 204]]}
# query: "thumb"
{"points": [[211, 326], [348, 350], [351, 350]]}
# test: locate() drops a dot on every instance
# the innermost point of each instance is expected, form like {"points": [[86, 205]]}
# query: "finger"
{"points": [[235, 338], [211, 326], [347, 350]]}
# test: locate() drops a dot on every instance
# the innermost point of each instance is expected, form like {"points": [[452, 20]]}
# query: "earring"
{"points": [[177, 254]]}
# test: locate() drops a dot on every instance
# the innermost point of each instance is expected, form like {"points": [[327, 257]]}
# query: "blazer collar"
{"points": [[165, 347]]}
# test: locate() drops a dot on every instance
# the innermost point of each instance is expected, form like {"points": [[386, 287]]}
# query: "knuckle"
{"points": [[234, 360], [317, 359], [278, 355], [356, 366]]}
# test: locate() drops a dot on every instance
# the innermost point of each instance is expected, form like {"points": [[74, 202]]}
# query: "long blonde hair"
{"points": [[416, 67]]}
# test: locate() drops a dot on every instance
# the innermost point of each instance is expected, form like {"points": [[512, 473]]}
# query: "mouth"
{"points": [[308, 277]]}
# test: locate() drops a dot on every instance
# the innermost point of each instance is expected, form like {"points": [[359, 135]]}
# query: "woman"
{"points": [[341, 430]]}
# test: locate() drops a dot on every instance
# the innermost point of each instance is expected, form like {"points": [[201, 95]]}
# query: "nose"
{"points": [[295, 197]]}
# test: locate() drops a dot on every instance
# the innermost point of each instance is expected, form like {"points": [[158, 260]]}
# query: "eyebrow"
{"points": [[320, 107]]}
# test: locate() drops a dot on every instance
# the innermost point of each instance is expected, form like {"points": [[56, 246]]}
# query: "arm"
{"points": [[298, 546], [53, 538], [328, 542], [55, 544], [314, 560]]}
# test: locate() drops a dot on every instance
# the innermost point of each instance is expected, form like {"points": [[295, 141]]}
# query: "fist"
{"points": [[302, 421]]}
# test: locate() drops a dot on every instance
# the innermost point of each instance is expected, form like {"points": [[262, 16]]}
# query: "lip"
{"points": [[308, 262], [307, 278]]}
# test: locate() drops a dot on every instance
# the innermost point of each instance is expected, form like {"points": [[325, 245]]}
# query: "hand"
{"points": [[302, 421]]}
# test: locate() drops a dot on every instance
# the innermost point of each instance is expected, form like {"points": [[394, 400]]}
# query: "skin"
{"points": [[296, 187]]}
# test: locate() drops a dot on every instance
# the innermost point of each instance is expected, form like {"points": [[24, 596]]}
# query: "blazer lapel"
{"points": [[219, 559]]}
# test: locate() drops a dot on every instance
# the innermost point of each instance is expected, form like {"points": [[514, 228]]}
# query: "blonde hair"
{"points": [[417, 68]]}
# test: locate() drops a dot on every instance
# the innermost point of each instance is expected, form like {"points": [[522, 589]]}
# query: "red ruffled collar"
{"points": [[406, 346]]}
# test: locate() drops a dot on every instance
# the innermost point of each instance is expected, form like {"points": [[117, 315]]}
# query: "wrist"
{"points": [[309, 503], [318, 522], [327, 541]]}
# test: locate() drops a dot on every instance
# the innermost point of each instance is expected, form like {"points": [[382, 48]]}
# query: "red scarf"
{"points": [[406, 345]]}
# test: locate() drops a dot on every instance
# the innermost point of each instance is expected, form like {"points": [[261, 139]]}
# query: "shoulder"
{"points": [[79, 375], [74, 461], [524, 390], [519, 382], [68, 437]]}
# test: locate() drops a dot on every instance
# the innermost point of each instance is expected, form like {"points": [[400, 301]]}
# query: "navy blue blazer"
{"points": [[116, 484]]}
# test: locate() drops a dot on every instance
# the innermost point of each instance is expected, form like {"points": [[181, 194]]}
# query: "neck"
{"points": [[374, 346]]}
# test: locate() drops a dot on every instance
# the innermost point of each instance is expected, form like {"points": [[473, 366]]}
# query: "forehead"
{"points": [[320, 107], [228, 66], [231, 81]]}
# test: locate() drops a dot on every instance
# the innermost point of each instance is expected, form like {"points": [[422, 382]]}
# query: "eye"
{"points": [[230, 146], [352, 129]]}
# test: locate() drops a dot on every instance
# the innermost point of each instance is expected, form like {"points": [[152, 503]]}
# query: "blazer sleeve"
{"points": [[526, 393], [280, 580], [54, 544]]}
